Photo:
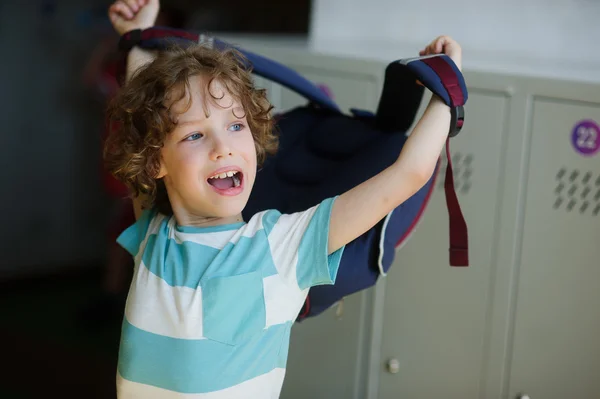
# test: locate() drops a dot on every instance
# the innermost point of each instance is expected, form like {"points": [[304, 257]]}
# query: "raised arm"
{"points": [[125, 16], [136, 59], [360, 208]]}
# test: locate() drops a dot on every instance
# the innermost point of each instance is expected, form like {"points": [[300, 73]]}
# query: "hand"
{"points": [[445, 45], [127, 15]]}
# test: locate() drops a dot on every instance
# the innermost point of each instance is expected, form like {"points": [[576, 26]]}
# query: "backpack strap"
{"points": [[161, 37], [441, 75]]}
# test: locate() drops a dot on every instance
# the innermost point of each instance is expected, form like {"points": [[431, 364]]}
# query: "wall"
{"points": [[564, 32]]}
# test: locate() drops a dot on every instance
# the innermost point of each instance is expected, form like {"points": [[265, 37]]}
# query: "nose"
{"points": [[221, 148]]}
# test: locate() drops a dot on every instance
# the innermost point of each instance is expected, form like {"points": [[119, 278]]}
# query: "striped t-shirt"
{"points": [[210, 309]]}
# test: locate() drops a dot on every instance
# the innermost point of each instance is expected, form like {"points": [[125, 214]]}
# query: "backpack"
{"points": [[324, 152]]}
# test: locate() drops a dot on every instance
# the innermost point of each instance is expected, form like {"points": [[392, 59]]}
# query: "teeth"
{"points": [[236, 180], [224, 175]]}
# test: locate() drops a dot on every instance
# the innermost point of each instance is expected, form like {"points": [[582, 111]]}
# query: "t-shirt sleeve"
{"points": [[132, 237], [298, 244]]}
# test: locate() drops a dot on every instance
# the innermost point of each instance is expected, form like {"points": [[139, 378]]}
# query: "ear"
{"points": [[162, 172]]}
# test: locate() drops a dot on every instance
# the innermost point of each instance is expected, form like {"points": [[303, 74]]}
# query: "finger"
{"points": [[120, 9], [133, 5], [441, 43], [114, 14], [141, 3], [440, 47]]}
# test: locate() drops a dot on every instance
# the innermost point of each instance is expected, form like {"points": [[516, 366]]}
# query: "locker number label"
{"points": [[585, 137]]}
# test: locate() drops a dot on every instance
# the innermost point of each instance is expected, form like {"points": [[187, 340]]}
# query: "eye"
{"points": [[194, 137], [236, 127]]}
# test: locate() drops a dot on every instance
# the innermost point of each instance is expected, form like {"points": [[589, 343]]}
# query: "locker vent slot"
{"points": [[577, 191], [462, 168]]}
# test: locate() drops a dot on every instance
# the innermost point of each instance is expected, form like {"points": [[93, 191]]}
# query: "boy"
{"points": [[214, 297]]}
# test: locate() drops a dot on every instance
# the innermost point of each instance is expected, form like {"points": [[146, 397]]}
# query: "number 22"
{"points": [[586, 137]]}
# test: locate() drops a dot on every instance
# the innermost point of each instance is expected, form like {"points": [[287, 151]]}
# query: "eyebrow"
{"points": [[194, 122], [200, 121]]}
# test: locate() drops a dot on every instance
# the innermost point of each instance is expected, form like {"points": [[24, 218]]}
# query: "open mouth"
{"points": [[226, 181]]}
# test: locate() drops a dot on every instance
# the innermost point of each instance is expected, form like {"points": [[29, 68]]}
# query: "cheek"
{"points": [[182, 161], [250, 148], [187, 156], [252, 160]]}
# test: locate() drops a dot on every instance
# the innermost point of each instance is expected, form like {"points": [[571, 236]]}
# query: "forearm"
{"points": [[362, 207], [136, 59], [422, 149]]}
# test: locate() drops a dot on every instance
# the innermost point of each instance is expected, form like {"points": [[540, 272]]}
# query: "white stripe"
{"points": [[284, 241], [266, 386], [282, 302], [156, 307], [381, 244]]}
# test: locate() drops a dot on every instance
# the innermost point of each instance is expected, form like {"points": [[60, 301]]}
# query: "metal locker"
{"points": [[434, 318], [556, 345]]}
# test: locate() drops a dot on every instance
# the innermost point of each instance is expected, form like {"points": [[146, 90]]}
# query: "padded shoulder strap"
{"points": [[441, 75], [161, 37]]}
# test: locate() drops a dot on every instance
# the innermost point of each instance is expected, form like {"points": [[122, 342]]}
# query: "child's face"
{"points": [[200, 155]]}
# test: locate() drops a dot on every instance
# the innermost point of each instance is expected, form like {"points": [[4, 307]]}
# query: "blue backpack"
{"points": [[324, 152]]}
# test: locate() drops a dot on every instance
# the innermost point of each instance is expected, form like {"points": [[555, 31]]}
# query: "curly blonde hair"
{"points": [[141, 116]]}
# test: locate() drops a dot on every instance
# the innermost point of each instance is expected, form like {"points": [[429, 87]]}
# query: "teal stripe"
{"points": [[132, 237], [188, 263], [269, 220], [209, 229], [314, 266], [233, 307], [198, 366], [284, 351]]}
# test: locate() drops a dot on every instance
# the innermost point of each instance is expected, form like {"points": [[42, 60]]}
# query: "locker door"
{"points": [[556, 350], [435, 315]]}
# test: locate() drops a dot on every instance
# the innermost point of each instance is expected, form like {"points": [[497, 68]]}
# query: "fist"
{"points": [[445, 45], [126, 15]]}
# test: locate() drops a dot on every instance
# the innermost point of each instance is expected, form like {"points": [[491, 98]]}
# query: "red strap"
{"points": [[448, 79], [459, 238], [159, 33]]}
